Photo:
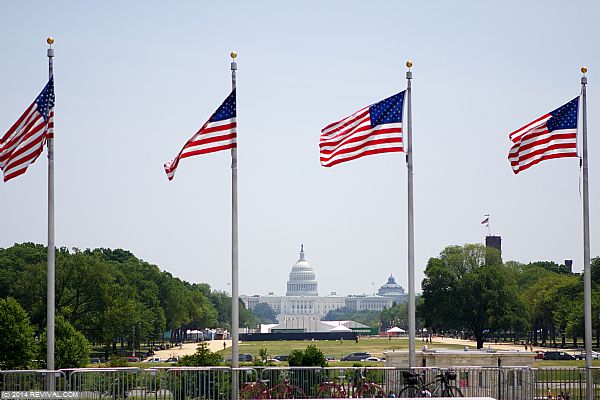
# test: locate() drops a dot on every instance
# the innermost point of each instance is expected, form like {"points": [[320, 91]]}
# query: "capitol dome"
{"points": [[302, 280], [391, 288]]}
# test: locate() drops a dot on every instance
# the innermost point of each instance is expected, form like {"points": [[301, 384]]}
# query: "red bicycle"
{"points": [[363, 389], [286, 391], [255, 390]]}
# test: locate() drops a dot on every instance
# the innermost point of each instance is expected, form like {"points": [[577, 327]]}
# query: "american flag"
{"points": [[25, 140], [371, 130], [218, 133], [552, 135]]}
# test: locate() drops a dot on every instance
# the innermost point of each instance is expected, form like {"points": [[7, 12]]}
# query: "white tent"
{"points": [[341, 328], [395, 330]]}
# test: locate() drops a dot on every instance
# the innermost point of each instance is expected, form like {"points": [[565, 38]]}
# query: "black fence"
{"points": [[273, 336]]}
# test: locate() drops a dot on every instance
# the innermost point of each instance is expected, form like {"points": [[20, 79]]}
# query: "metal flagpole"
{"points": [[587, 281], [411, 223], [51, 253], [235, 311]]}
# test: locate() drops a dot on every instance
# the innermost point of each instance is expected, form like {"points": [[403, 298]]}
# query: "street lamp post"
{"points": [[140, 338]]}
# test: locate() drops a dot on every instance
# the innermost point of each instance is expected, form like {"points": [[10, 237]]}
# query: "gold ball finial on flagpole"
{"points": [[50, 40], [584, 69], [409, 64], [233, 55]]}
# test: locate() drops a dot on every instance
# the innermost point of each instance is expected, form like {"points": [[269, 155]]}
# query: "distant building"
{"points": [[302, 302], [494, 242], [392, 290]]}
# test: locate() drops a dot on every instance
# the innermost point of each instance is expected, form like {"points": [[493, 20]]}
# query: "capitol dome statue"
{"points": [[302, 280]]}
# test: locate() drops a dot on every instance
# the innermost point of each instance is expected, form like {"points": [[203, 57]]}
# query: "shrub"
{"points": [[312, 356], [71, 348], [118, 362]]}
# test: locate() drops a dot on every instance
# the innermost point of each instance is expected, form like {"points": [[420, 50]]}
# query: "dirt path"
{"points": [[190, 348]]}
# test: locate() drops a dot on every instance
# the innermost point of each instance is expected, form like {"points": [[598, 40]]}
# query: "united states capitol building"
{"points": [[302, 297]]}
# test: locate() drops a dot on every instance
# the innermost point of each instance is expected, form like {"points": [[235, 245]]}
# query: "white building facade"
{"points": [[302, 300]]}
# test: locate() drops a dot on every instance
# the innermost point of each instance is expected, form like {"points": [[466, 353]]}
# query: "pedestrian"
{"points": [[224, 344]]}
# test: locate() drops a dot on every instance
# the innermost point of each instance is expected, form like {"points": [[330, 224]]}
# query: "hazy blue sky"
{"points": [[135, 80]]}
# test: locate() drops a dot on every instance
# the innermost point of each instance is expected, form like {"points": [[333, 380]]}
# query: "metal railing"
{"points": [[32, 380], [182, 383]]}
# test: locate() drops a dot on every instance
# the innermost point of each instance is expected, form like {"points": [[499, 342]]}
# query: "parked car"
{"points": [[153, 359], [246, 357], [172, 359], [94, 360], [330, 358], [282, 357], [581, 355], [372, 359], [558, 355], [133, 359], [539, 355], [358, 356]]}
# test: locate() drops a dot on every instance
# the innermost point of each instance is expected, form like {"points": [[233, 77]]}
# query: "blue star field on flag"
{"points": [[227, 110], [564, 117], [387, 111]]}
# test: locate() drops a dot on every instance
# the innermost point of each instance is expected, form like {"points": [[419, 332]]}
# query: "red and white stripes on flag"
{"points": [[553, 135], [371, 130], [25, 140], [218, 133]]}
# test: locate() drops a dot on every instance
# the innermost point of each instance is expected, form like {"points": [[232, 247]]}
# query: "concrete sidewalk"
{"points": [[495, 346]]}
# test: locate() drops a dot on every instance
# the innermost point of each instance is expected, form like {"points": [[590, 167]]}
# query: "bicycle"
{"points": [[332, 390], [256, 390], [287, 391], [416, 387], [363, 388]]}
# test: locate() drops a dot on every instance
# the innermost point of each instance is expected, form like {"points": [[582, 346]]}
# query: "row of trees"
{"points": [[470, 289], [110, 296]]}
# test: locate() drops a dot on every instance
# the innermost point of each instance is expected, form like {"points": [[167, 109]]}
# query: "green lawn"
{"points": [[335, 348], [563, 363]]}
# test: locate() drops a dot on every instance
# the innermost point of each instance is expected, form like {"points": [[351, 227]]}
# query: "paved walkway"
{"points": [[496, 346], [190, 348]]}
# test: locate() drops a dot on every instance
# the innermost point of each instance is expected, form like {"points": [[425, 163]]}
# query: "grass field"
{"points": [[334, 348], [338, 349]]}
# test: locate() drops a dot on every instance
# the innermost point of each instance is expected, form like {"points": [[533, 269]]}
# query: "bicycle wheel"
{"points": [[371, 391], [282, 391], [252, 392], [409, 391], [452, 391], [330, 391]]}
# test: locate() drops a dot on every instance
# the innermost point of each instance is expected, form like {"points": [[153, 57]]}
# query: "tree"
{"points": [[366, 317], [551, 301], [264, 314], [468, 288], [72, 349], [17, 343], [397, 315]]}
